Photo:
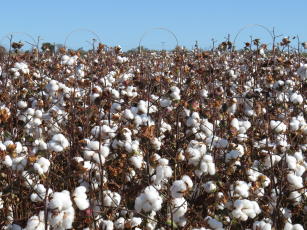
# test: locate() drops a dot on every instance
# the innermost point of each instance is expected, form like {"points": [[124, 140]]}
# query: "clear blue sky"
{"points": [[124, 21]]}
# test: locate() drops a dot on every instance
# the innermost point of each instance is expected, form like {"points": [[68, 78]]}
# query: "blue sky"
{"points": [[125, 21]]}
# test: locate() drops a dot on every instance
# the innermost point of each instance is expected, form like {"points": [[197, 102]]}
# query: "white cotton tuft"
{"points": [[80, 198], [148, 201]]}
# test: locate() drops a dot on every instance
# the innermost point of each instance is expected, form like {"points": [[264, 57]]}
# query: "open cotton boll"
{"points": [[179, 207], [207, 166], [137, 161], [22, 66], [128, 114], [58, 143], [22, 104], [163, 171], [41, 165], [134, 222], [36, 222], [261, 225], [234, 154], [164, 102], [179, 188], [121, 59], [40, 193], [278, 126], [289, 226], [245, 209], [119, 223], [291, 162], [148, 201], [19, 163], [213, 223], [209, 186], [80, 198], [294, 124], [302, 71], [142, 106], [111, 199], [65, 213], [242, 188], [235, 123], [296, 98], [7, 161], [271, 160], [295, 181]]}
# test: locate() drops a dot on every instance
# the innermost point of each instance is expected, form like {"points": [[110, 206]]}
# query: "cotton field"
{"points": [[200, 140]]}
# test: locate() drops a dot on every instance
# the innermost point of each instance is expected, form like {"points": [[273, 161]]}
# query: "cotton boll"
{"points": [[209, 187], [148, 201], [261, 225], [245, 208], [19, 163], [41, 165], [136, 161], [164, 102], [179, 207], [302, 71], [135, 221], [119, 223], [128, 114], [242, 188], [111, 199], [163, 172], [178, 189], [7, 161], [291, 161], [22, 104], [278, 126], [296, 98], [142, 106], [235, 123], [213, 223], [294, 124], [272, 160], [289, 226], [40, 193], [80, 198], [156, 143], [65, 214], [58, 143], [36, 222], [295, 181]]}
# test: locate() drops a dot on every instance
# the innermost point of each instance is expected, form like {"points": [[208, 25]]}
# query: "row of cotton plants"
{"points": [[167, 140]]}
